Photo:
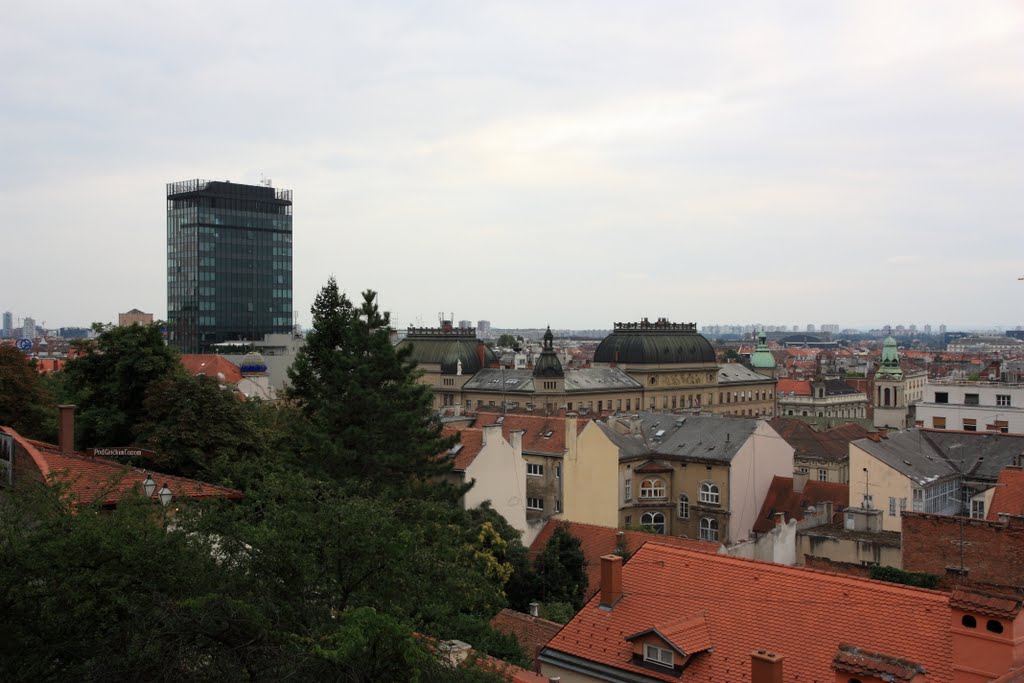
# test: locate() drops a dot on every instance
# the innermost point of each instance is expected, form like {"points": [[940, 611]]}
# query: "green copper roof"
{"points": [[762, 357], [889, 364], [650, 343]]}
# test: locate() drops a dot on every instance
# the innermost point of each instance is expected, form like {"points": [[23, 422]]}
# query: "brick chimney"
{"points": [[492, 433], [517, 442], [66, 429], [765, 667], [611, 580], [800, 481]]}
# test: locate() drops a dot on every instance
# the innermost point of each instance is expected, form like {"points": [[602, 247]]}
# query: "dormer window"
{"points": [[657, 655], [652, 488]]}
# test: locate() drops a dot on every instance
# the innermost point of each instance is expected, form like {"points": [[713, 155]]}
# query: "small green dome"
{"points": [[762, 357], [889, 364]]}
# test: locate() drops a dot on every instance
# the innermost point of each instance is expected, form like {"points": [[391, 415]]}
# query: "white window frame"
{"points": [[977, 509], [710, 493], [535, 504], [659, 655], [654, 487], [1002, 399], [534, 469], [822, 474], [684, 506], [653, 523], [627, 490], [709, 529]]}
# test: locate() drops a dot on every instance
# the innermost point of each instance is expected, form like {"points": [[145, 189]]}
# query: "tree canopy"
{"points": [[25, 403], [109, 379], [369, 418]]}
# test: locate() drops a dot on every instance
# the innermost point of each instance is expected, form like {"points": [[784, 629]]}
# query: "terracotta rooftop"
{"points": [[596, 541], [832, 444], [106, 482], [533, 633], [798, 387], [1009, 494], [471, 442], [782, 498], [805, 615], [853, 660], [213, 366], [542, 433], [992, 604]]}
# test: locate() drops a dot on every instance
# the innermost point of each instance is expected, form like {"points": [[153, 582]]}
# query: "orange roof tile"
{"points": [[1009, 494], [542, 433], [533, 633], [991, 604], [782, 498], [799, 387], [596, 541], [471, 442], [213, 366], [91, 479], [802, 614], [688, 635], [853, 660]]}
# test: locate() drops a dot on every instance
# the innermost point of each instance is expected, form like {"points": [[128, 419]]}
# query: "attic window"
{"points": [[969, 622], [454, 450], [994, 626], [548, 434], [658, 655]]}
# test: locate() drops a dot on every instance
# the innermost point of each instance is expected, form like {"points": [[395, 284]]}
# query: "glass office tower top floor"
{"points": [[229, 263]]}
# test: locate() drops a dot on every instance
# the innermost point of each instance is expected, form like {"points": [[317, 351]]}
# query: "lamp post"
{"points": [[149, 486], [164, 495]]}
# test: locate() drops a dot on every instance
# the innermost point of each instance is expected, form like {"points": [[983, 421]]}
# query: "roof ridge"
{"points": [[789, 569]]}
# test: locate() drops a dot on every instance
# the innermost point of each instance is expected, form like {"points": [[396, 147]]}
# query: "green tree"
{"points": [[370, 419], [194, 426], [108, 381], [522, 586], [562, 569], [508, 341], [25, 403]]}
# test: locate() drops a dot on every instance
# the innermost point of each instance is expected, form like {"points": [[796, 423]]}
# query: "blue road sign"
{"points": [[23, 344]]}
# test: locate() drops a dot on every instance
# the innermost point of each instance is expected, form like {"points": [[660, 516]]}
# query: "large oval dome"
{"points": [[435, 346], [647, 343]]}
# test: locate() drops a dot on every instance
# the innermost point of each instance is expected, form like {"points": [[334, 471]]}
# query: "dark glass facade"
{"points": [[229, 263]]}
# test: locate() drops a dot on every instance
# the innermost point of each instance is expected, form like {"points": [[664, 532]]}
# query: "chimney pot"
{"points": [[66, 429], [534, 609], [765, 667], [611, 580]]}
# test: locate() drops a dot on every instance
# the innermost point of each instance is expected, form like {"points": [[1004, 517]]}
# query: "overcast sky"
{"points": [[562, 163]]}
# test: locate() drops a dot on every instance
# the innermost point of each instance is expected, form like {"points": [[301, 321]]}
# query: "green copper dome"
{"points": [[548, 364], [762, 357], [889, 364]]}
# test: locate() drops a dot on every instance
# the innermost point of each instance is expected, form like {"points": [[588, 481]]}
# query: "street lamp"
{"points": [[165, 495], [149, 486]]}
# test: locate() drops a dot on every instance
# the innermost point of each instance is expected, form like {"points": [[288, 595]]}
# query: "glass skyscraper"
{"points": [[229, 263]]}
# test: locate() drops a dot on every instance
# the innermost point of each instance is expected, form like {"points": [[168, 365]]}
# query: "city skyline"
{"points": [[856, 162]]}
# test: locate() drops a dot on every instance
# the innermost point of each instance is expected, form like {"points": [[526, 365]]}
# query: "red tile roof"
{"points": [[213, 366], [802, 614], [472, 441], [542, 433], [533, 633], [832, 444], [91, 479], [992, 604], [799, 387], [596, 541], [853, 660], [688, 635], [1009, 494], [782, 498]]}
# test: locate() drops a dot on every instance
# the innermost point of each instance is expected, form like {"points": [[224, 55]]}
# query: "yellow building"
{"points": [[658, 366]]}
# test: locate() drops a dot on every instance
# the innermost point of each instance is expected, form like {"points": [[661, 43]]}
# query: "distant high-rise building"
{"points": [[810, 328], [465, 324], [483, 329], [8, 330], [942, 330], [134, 317], [229, 263], [28, 328], [928, 329]]}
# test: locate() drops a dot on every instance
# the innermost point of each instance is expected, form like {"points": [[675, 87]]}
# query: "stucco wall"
{"points": [[590, 479], [883, 482], [500, 476], [764, 456]]}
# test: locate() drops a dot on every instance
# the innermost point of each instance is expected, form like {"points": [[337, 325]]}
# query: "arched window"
{"points": [[684, 506], [709, 493], [708, 529], [655, 521], [652, 488]]}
